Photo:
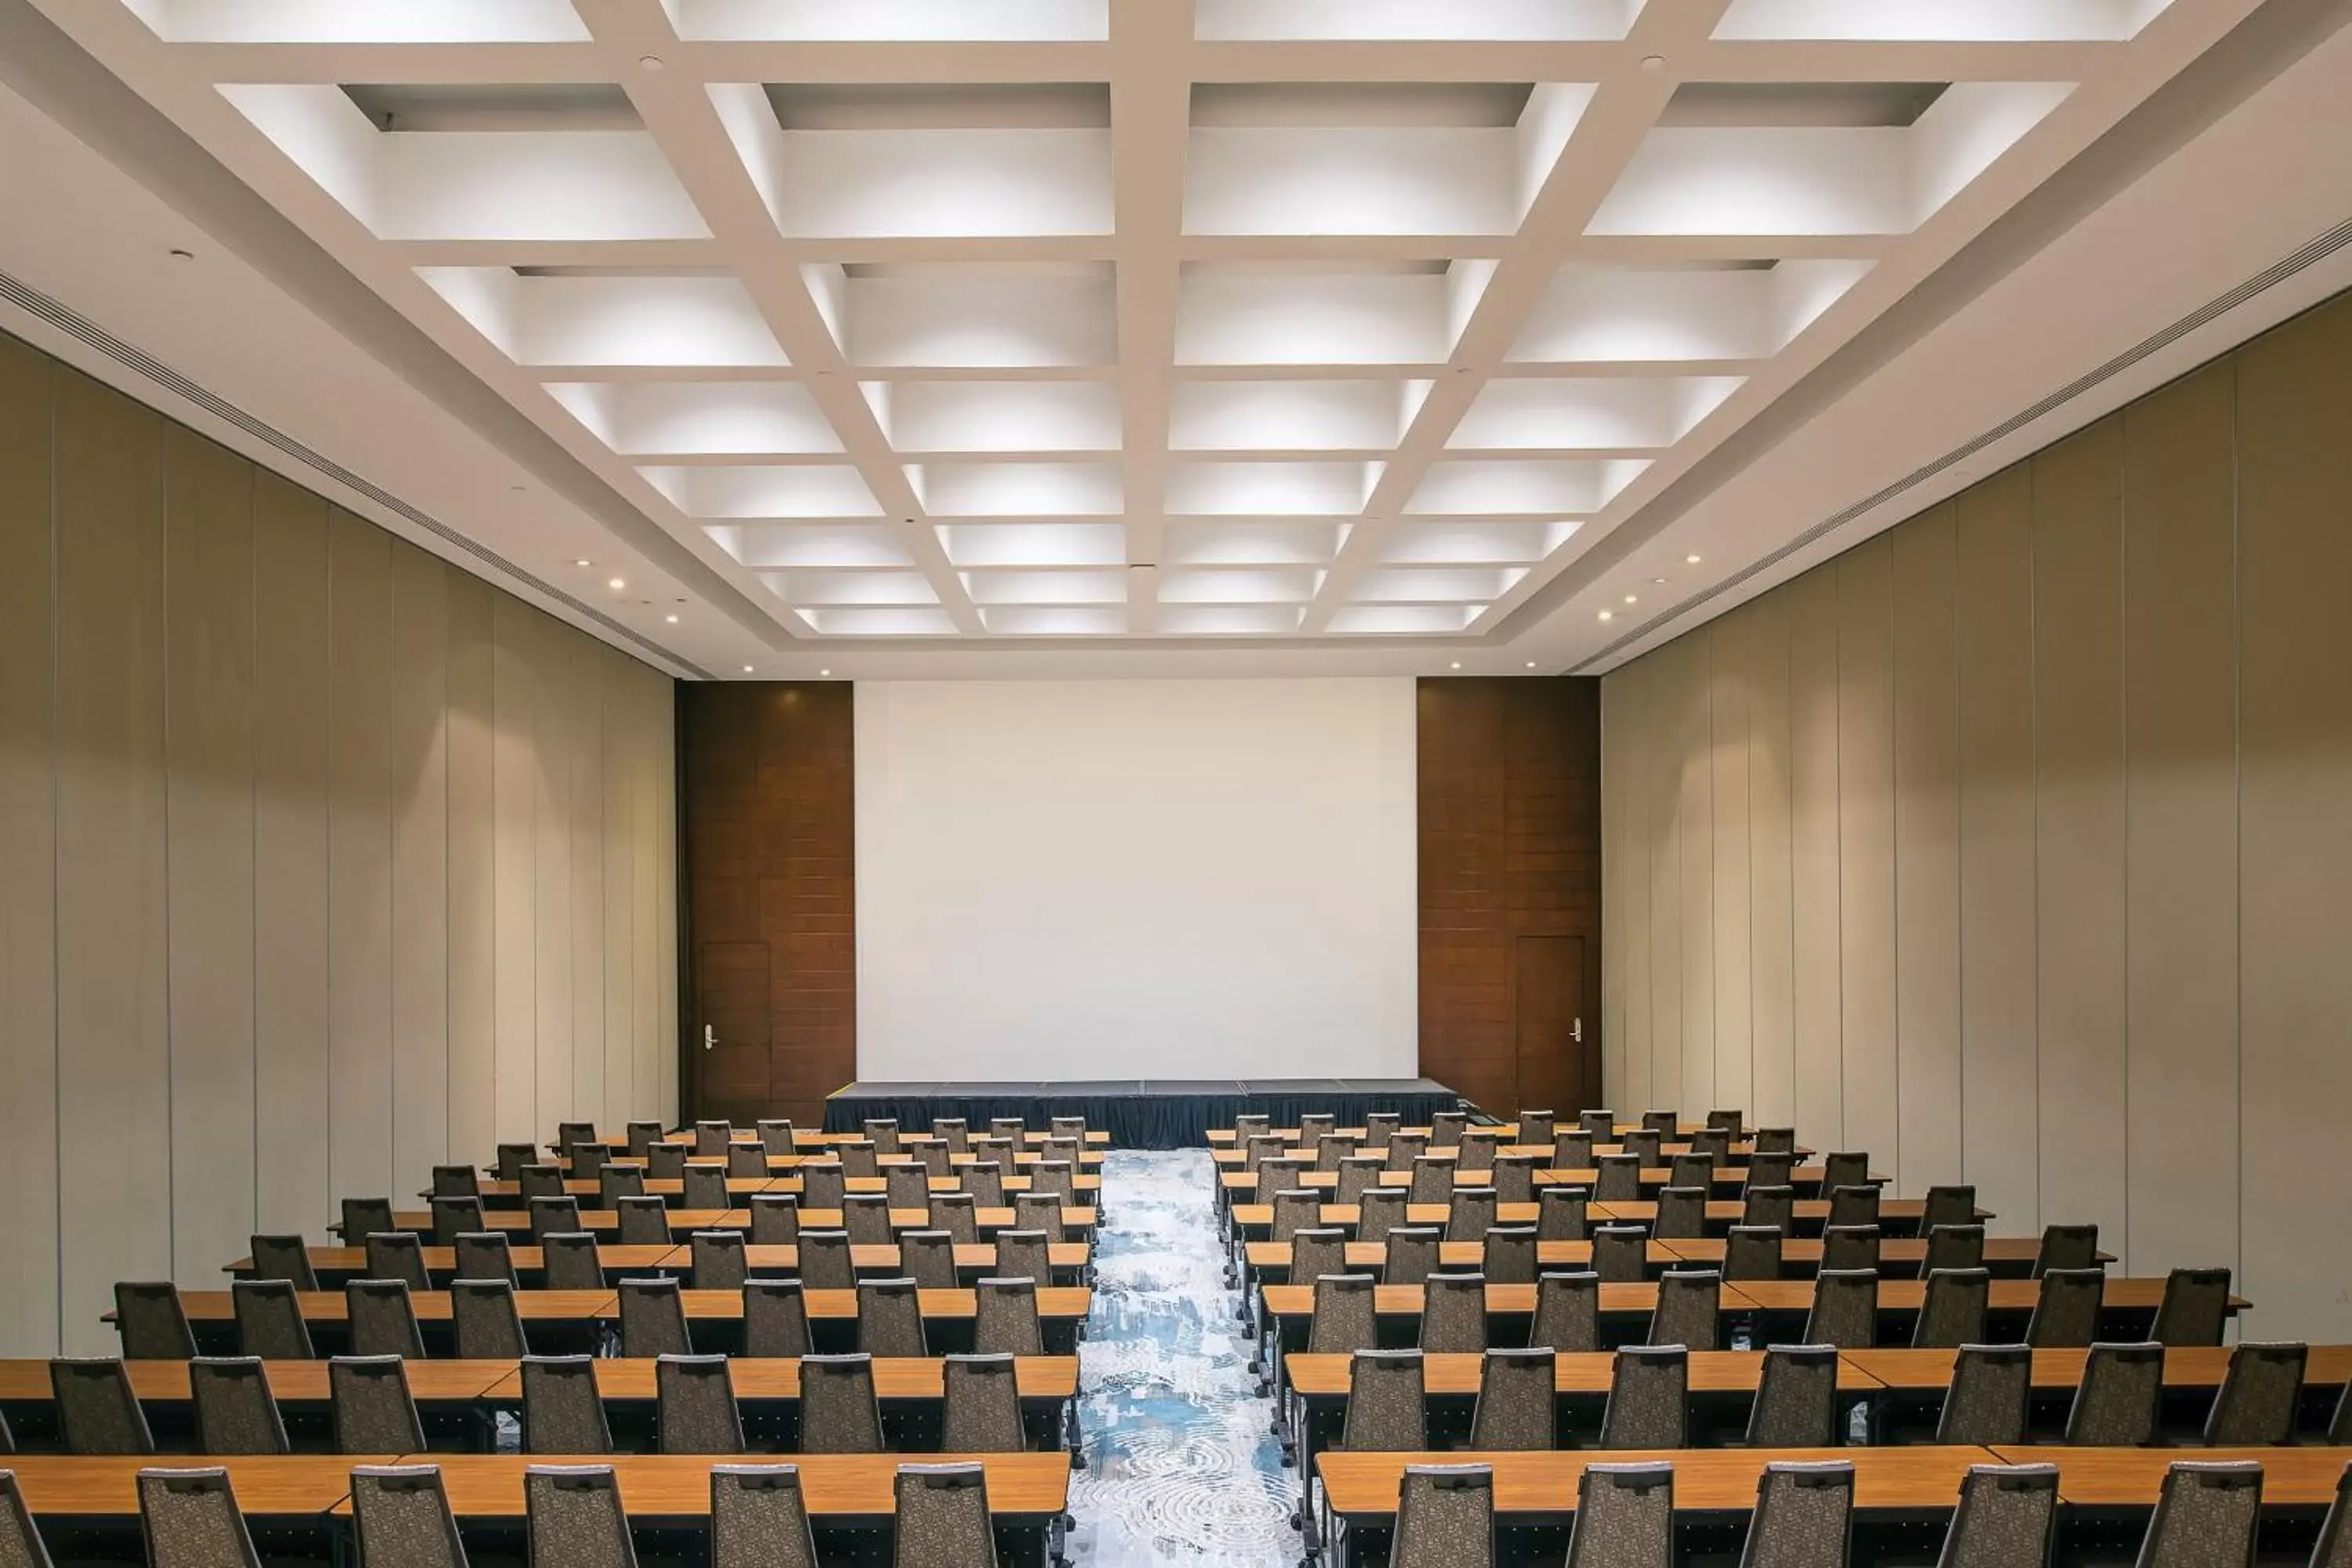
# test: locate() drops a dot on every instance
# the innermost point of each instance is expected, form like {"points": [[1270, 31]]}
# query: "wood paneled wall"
{"points": [[2015, 845], [1509, 787], [321, 861], [770, 791]]}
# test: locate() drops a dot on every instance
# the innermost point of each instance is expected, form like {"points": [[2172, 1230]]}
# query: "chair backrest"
{"points": [[826, 1262], [1773, 1206], [1769, 1171], [1714, 1143], [1445, 1517], [775, 1318], [1249, 1124], [1385, 1402], [1690, 1303], [822, 1184], [747, 1161], [397, 1255], [1647, 1146], [1023, 1252], [2066, 1312], [982, 1412], [96, 1407], [1775, 1140], [643, 1135], [1536, 1128], [2334, 1548], [776, 1135], [1624, 1517], [589, 1159], [1312, 1126], [1006, 1320], [890, 1319], [1985, 1403], [363, 1218], [1954, 1246], [373, 1413], [1344, 1319], [1508, 1256], [1514, 1180], [485, 1255], [20, 1544], [1954, 1311], [653, 1320], [2195, 1305], [1433, 1179], [1317, 1251], [575, 1518], [1293, 1211], [401, 1516], [1796, 1399], [957, 1213], [540, 1181], [269, 1320], [1379, 1126], [1752, 1252], [1405, 1148], [1617, 1179], [381, 1321], [1562, 1214], [1469, 1214], [2067, 1247], [666, 1160], [1682, 1214], [704, 1187], [1477, 1149], [234, 1412], [2259, 1395], [838, 1412], [488, 1326], [1412, 1252], [1646, 1389], [1600, 1126], [567, 1133], [867, 1217], [1620, 1253], [775, 1219], [1804, 1513], [758, 1519], [1445, 1128], [1692, 1170], [1845, 1309], [191, 1520], [1572, 1150], [908, 1186], [1665, 1123], [561, 1411], [1952, 1205], [985, 1181], [1380, 1211], [718, 1260], [942, 1517], [1516, 1389], [1359, 1174], [570, 1263], [1017, 1128], [927, 1258], [149, 1321], [1568, 1311], [1853, 1204], [615, 1182], [712, 1137], [2205, 1517], [2005, 1519], [454, 1217], [287, 1257], [1453, 1313], [2116, 1404], [1846, 1168], [696, 1399], [1850, 1247], [512, 1157]]}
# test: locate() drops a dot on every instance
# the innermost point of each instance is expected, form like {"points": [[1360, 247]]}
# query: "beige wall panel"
{"points": [[2180, 737], [2295, 817], [359, 848], [1771, 983], [515, 866], [472, 861], [292, 1021], [420, 871], [1999, 1073], [660, 743], [209, 699], [1696, 835], [114, 1101], [559, 678], [586, 761], [1814, 919], [1673, 681], [2079, 748], [1866, 848], [1926, 851], [1615, 854], [1732, 673], [28, 955], [620, 890]]}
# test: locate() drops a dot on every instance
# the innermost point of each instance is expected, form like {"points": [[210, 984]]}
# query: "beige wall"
{"points": [[2015, 845], [321, 860]]}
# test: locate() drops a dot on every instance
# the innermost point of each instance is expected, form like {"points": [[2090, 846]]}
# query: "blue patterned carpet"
{"points": [[1182, 1464]]}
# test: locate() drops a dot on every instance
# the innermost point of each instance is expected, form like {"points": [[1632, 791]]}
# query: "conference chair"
{"points": [[1954, 1311], [1312, 1128], [574, 1517], [1433, 1179], [1600, 1126], [695, 1409], [1515, 1400], [548, 1216], [666, 1161], [453, 1217], [981, 1411], [1379, 1126], [1617, 1179], [1647, 1388], [383, 1322], [2334, 1549], [984, 1179], [1384, 1403], [1850, 1247], [1343, 1320], [1646, 1146], [570, 1263], [1359, 1174], [1015, 1129], [776, 1135], [908, 1186], [97, 1411], [1514, 1178], [1477, 1149], [1665, 1124], [823, 1184], [1024, 1254], [363, 1218], [1453, 1313], [747, 1161], [1469, 1214], [1985, 1402], [1507, 1255], [1774, 1140], [2195, 1307], [1771, 1172], [373, 1411], [2205, 1517], [1006, 1320], [826, 1261], [891, 1320], [1853, 1204], [1317, 1251], [270, 1319], [1412, 1255], [1621, 1254], [945, 1509], [189, 1519], [1952, 1205], [1954, 1246], [775, 1318], [1796, 1399], [1752, 1252], [1561, 1214], [1536, 1128], [615, 1182], [486, 1256], [839, 1412], [954, 1130], [1713, 1142], [1055, 1176], [1682, 1214], [927, 1258], [20, 1544], [2005, 1519], [487, 1325], [401, 1516], [1295, 1210], [512, 1157], [2066, 1312], [704, 1187], [653, 1320], [1804, 1513], [716, 1260], [1848, 1168], [1379, 1212], [867, 1217], [1845, 1309], [286, 1258], [643, 1136], [2067, 1247], [1572, 1150], [1445, 1129], [2116, 1404], [1624, 1517], [1567, 1312], [1336, 1148], [958, 1214], [2259, 1394], [1406, 1150], [561, 1411], [589, 1160], [758, 1519], [149, 1322], [1445, 1517], [1690, 1305], [1772, 1206], [539, 1181], [234, 1410], [883, 1133]]}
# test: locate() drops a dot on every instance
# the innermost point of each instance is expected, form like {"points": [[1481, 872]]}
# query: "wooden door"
{"points": [[730, 1055], [1548, 1013]]}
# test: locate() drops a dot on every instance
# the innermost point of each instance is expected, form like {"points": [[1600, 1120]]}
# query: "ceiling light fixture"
{"points": [[1657, 579], [1690, 560], [649, 62], [1608, 614], [1531, 664], [823, 674], [617, 584], [747, 670], [1457, 664], [671, 619], [581, 560], [1654, 62], [1633, 599]]}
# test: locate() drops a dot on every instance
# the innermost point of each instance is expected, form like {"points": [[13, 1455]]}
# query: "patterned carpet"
{"points": [[1182, 1464]]}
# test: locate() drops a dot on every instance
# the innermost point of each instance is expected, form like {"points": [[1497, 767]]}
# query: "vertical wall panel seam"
{"points": [[2238, 792], [2122, 736], [327, 901], [57, 959], [253, 827], [1837, 817], [2033, 790], [171, 1013], [1895, 852]]}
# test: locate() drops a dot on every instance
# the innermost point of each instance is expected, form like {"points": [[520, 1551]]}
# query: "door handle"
{"points": [[1576, 1032], [710, 1039]]}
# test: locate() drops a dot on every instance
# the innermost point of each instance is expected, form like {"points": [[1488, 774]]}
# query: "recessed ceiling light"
{"points": [[1654, 62], [1608, 614], [581, 560], [1531, 664], [1690, 560], [1633, 599], [824, 673], [1657, 579], [617, 584], [649, 62], [747, 670], [671, 619], [1457, 664]]}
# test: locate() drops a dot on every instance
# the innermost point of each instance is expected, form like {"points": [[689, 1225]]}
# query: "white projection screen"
{"points": [[1088, 880]]}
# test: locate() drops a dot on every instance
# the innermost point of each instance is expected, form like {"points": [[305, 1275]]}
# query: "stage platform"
{"points": [[1141, 1113]]}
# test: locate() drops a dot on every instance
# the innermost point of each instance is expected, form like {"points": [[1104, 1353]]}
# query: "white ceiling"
{"points": [[1014, 336]]}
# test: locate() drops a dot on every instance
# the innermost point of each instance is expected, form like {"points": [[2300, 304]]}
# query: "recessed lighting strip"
{"points": [[2278, 272], [76, 325]]}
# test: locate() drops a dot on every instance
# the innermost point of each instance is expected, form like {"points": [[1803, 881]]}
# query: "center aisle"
{"points": [[1182, 1462]]}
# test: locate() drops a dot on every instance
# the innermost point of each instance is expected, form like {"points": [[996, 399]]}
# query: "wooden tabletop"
{"points": [[1719, 1210], [811, 1137], [2184, 1366], [1364, 1485], [1894, 1252], [677, 1486], [1054, 1302], [1261, 1215], [1711, 1372], [894, 1377], [273, 1486], [1506, 1129], [1405, 1301], [443, 1260], [430, 1306], [1460, 1255], [2123, 1292], [2131, 1477], [1289, 1171], [684, 1222], [970, 1257], [291, 1382]]}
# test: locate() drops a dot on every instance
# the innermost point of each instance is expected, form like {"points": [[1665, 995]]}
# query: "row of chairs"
{"points": [[1566, 1212], [1620, 1252], [402, 1518], [1617, 1176], [488, 1326], [373, 1411], [1844, 1311], [2206, 1514], [1448, 1129], [716, 1136], [705, 1186]]}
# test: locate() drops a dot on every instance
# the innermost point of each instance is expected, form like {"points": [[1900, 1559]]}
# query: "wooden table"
{"points": [[276, 1485], [716, 1315], [973, 1260], [336, 1265], [1896, 1215], [2131, 1477], [2009, 1257], [2126, 1309], [1271, 1259], [1653, 1177], [1506, 1130], [683, 1223]]}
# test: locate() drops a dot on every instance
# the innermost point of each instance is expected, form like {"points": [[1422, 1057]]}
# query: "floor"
{"points": [[1182, 1463]]}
